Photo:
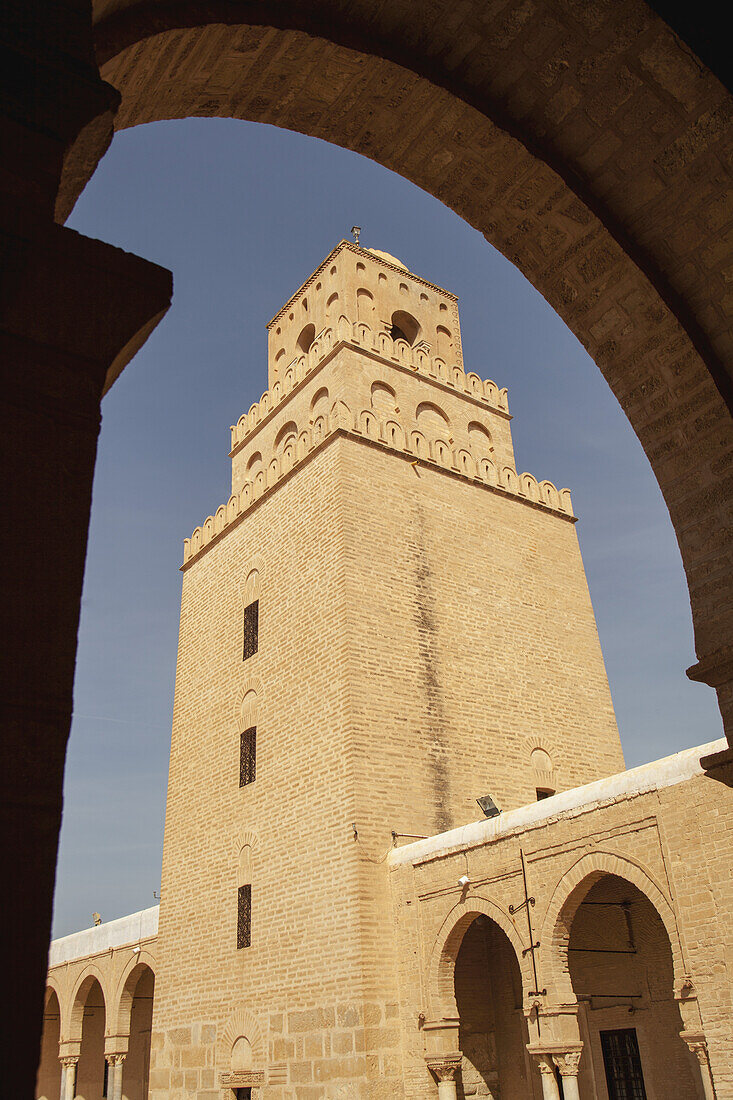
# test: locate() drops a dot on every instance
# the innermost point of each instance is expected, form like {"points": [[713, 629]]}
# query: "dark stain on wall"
{"points": [[427, 637]]}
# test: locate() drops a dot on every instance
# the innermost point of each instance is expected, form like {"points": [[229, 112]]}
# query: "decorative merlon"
{"points": [[361, 337], [366, 426]]}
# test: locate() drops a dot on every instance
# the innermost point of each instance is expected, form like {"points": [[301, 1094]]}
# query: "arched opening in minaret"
{"points": [[493, 1032], [404, 327], [48, 1082], [306, 338], [619, 959]]}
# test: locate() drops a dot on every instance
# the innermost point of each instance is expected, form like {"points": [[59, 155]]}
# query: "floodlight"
{"points": [[488, 806]]}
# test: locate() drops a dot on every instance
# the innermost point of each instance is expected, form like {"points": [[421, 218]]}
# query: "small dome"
{"points": [[386, 256]]}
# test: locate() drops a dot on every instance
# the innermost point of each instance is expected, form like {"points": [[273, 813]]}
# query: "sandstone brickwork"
{"points": [[424, 629], [631, 914], [391, 622]]}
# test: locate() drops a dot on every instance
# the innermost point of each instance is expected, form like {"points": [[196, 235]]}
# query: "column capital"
{"points": [[69, 1060], [545, 1064], [568, 1063], [116, 1058], [446, 1067], [698, 1044]]}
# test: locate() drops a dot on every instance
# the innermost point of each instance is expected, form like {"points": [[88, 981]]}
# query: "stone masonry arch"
{"points": [[579, 216], [441, 965], [78, 999], [566, 898], [240, 1023], [120, 1007], [54, 987]]}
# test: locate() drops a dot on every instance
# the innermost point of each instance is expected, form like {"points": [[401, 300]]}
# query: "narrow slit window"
{"points": [[244, 916], [251, 628], [247, 756]]}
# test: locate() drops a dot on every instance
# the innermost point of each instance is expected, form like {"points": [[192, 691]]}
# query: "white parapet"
{"points": [[114, 933], [666, 772]]}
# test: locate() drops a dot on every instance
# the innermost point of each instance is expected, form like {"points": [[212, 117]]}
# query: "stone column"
{"points": [[68, 1077], [568, 1064], [699, 1047], [446, 1070], [116, 1093], [550, 1089]]}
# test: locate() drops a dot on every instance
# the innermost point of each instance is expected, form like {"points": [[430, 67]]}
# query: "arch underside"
{"points": [[574, 141]]}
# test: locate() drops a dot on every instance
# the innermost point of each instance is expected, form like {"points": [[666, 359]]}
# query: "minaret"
{"points": [[385, 622]]}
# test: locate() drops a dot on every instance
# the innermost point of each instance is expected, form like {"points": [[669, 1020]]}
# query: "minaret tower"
{"points": [[385, 622]]}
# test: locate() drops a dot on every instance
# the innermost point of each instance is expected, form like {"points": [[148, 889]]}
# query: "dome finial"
{"points": [[356, 230]]}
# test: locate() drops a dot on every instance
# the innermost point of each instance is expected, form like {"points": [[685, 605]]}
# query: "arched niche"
{"points": [[383, 399]]}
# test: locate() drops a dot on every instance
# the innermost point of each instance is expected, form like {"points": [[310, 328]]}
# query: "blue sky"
{"points": [[242, 213]]}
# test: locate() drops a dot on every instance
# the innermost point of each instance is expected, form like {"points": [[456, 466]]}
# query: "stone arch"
{"points": [[383, 399], [405, 327], [364, 305], [441, 964], [320, 402], [567, 896], [240, 1024], [54, 986], [250, 585], [247, 700], [431, 418], [286, 432], [121, 1007], [479, 439], [89, 1026], [247, 838], [444, 342], [83, 984], [48, 1077], [306, 337]]}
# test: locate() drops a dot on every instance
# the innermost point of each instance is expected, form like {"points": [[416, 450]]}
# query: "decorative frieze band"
{"points": [[397, 352], [388, 434]]}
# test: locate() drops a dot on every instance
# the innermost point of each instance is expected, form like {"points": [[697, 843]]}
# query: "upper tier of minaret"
{"points": [[369, 286]]}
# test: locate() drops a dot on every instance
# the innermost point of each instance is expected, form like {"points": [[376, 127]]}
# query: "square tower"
{"points": [[385, 622]]}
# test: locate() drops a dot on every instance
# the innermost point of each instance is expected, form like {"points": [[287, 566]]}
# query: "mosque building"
{"points": [[402, 857]]}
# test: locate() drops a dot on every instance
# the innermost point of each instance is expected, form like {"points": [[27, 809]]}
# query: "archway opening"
{"points": [[136, 1067], [404, 327], [306, 338], [91, 1071], [48, 1081], [493, 1031], [621, 968]]}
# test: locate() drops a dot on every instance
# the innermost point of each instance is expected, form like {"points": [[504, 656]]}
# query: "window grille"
{"points": [[244, 916], [251, 629], [247, 756], [622, 1063]]}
